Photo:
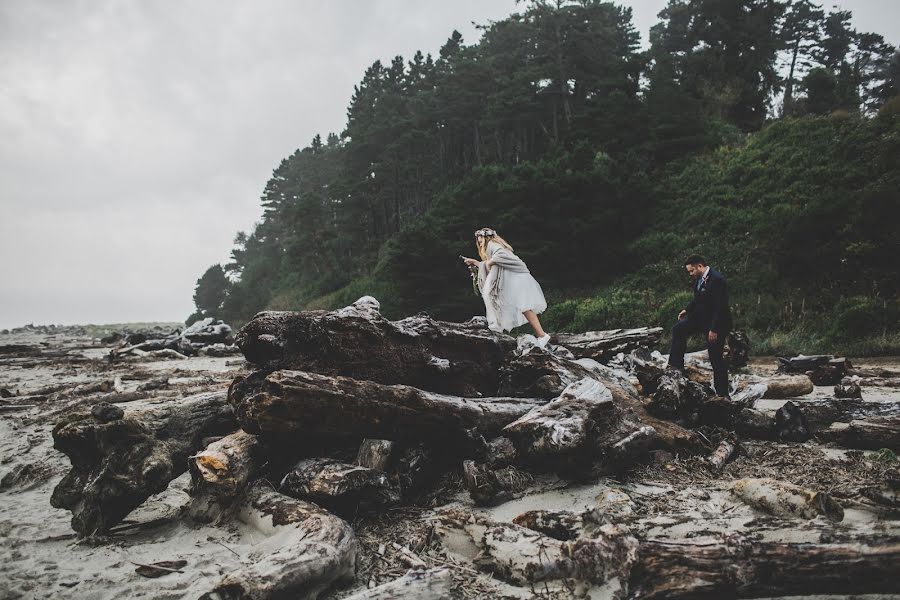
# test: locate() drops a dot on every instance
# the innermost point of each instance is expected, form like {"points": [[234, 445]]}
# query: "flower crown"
{"points": [[485, 232]]}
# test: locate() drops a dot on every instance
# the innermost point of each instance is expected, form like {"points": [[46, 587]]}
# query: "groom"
{"points": [[708, 314]]}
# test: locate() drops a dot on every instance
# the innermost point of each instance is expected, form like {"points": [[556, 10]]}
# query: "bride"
{"points": [[511, 295]]}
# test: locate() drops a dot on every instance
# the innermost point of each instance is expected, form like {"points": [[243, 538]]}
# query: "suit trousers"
{"points": [[680, 333]]}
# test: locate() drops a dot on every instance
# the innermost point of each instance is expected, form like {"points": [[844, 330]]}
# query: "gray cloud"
{"points": [[136, 137]]}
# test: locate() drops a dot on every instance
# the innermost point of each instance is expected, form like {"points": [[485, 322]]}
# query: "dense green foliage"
{"points": [[604, 165]]}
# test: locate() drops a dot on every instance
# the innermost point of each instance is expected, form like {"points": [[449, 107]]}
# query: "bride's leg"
{"points": [[535, 323]]}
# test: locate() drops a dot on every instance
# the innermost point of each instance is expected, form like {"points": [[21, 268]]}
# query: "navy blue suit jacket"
{"points": [[709, 308]]}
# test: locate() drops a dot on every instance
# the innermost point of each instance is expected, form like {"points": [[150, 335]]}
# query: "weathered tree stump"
{"points": [[357, 341], [307, 550], [221, 472], [117, 465]]}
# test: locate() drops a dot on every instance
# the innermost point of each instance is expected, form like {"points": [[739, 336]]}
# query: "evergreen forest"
{"points": [[764, 134]]}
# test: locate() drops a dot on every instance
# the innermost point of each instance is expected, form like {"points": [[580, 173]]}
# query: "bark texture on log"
{"points": [[307, 550], [603, 345], [823, 412], [221, 472], [721, 455], [514, 554], [357, 341], [740, 567], [560, 525], [376, 454], [417, 584], [584, 429], [292, 402], [339, 487], [117, 465], [735, 567], [541, 374]]}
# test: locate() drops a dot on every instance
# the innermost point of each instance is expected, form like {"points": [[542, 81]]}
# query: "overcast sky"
{"points": [[136, 136]]}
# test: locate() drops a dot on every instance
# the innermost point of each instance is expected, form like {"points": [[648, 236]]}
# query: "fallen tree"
{"points": [[287, 403]]}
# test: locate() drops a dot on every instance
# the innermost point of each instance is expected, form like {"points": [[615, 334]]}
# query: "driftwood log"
{"points": [[733, 566], [603, 345], [288, 403], [118, 464], [306, 550], [865, 434], [417, 584], [583, 428], [785, 499], [822, 369], [357, 341], [221, 472], [740, 567], [339, 487]]}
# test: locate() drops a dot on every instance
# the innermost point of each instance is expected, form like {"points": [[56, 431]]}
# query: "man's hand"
{"points": [[682, 315], [713, 337]]}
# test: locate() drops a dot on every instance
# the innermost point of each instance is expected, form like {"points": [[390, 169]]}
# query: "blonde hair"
{"points": [[482, 241]]}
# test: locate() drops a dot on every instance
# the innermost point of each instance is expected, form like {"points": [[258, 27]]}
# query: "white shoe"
{"points": [[543, 341]]}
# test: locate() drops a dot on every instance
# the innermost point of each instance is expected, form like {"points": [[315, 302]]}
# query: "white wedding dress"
{"points": [[508, 290]]}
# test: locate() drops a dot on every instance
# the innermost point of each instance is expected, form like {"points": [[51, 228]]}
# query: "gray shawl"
{"points": [[504, 262]]}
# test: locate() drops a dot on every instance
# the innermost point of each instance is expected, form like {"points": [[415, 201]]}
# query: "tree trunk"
{"points": [[287, 403], [314, 550], [357, 341], [116, 465]]}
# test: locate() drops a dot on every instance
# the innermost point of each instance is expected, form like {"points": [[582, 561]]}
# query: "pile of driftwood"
{"points": [[349, 413], [209, 336]]}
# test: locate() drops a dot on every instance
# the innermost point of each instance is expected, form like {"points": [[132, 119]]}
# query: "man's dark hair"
{"points": [[695, 259]]}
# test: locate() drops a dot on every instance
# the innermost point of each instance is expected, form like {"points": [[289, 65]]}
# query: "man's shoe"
{"points": [[543, 341]]}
